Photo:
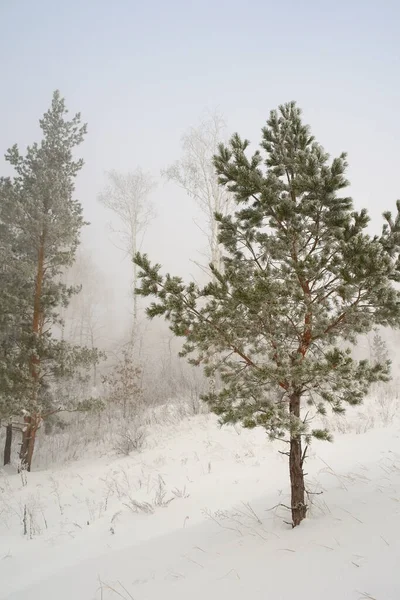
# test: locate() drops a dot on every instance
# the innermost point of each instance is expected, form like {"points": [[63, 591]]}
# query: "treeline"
{"points": [[294, 280], [53, 305]]}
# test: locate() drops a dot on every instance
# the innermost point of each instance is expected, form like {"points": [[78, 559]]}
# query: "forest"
{"points": [[271, 327]]}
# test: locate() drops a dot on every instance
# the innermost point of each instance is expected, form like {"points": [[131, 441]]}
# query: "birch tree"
{"points": [[127, 196], [195, 174]]}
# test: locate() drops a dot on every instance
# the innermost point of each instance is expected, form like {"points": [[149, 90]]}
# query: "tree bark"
{"points": [[8, 444], [298, 503], [28, 441], [31, 444], [26, 433], [32, 422]]}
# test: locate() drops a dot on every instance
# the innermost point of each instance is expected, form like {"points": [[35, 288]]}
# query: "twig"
{"points": [[211, 516], [277, 505], [304, 455], [106, 586], [351, 515], [252, 512], [229, 572], [193, 561], [386, 542]]}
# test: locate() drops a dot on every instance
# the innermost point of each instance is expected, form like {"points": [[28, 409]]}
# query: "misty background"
{"points": [[143, 75]]}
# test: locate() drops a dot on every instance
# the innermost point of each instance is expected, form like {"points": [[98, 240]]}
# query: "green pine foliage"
{"points": [[15, 324], [301, 280], [380, 351], [40, 225]]}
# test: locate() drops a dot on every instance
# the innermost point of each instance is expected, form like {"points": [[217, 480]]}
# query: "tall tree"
{"points": [[42, 221], [14, 320], [195, 174], [301, 280], [127, 195]]}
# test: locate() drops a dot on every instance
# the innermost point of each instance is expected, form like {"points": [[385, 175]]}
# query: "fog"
{"points": [[172, 456], [142, 76]]}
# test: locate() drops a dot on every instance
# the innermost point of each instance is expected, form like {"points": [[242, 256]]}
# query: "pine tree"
{"points": [[379, 349], [15, 379], [41, 223], [301, 280], [124, 386]]}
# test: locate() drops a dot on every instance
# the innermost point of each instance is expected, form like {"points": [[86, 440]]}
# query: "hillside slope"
{"points": [[195, 515]]}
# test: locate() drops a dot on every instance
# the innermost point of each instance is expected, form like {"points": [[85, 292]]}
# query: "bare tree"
{"points": [[127, 195], [195, 173]]}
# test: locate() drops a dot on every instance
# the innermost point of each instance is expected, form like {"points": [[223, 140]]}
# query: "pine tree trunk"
{"points": [[8, 444], [29, 435], [28, 441], [94, 364], [134, 284], [298, 504], [31, 445], [26, 433]]}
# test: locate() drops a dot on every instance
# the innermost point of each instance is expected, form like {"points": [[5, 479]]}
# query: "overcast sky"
{"points": [[142, 73]]}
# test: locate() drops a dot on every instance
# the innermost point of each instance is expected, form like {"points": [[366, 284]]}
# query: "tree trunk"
{"points": [[32, 422], [134, 284], [26, 433], [31, 445], [94, 364], [298, 503], [28, 441], [8, 444]]}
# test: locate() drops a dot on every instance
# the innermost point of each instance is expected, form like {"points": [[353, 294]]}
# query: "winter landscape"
{"points": [[199, 302], [197, 513]]}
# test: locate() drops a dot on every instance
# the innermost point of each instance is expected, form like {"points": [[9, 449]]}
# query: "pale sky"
{"points": [[142, 74]]}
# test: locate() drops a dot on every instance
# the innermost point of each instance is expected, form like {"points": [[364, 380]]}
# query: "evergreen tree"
{"points": [[124, 386], [15, 379], [301, 280], [379, 349], [41, 224]]}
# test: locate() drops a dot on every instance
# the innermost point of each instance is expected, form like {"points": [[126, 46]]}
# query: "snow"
{"points": [[210, 529]]}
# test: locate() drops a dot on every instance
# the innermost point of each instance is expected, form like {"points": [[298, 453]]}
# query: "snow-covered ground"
{"points": [[195, 516]]}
